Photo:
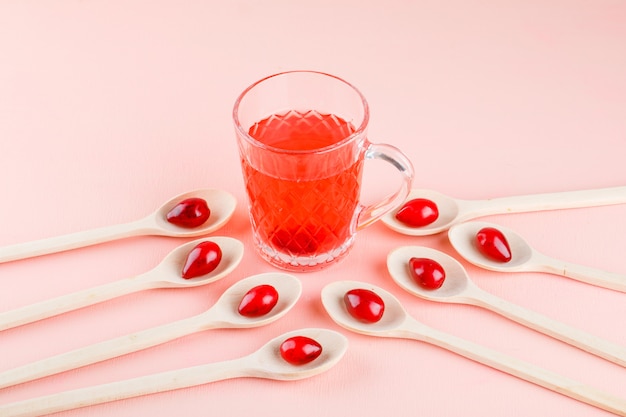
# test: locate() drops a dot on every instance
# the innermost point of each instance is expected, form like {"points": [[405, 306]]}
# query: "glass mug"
{"points": [[302, 138]]}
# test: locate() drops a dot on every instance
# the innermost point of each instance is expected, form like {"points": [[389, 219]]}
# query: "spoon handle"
{"points": [[104, 350], [74, 301], [515, 367], [553, 201], [74, 240], [575, 337], [585, 274], [151, 384]]}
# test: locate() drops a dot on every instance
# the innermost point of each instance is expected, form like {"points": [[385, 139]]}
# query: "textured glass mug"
{"points": [[302, 138]]}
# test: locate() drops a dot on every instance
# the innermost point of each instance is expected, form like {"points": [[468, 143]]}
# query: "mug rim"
{"points": [[244, 133]]}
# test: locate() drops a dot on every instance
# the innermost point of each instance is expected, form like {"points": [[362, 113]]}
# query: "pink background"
{"points": [[108, 108]]}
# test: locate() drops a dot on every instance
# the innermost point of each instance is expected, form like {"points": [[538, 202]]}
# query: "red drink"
{"points": [[303, 203], [302, 167]]}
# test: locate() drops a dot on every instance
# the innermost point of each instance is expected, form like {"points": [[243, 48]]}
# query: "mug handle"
{"points": [[391, 154]]}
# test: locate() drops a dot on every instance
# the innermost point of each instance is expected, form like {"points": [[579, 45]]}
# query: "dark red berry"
{"points": [[418, 212], [493, 244], [299, 350], [202, 259], [189, 213], [364, 305], [259, 301], [428, 273]]}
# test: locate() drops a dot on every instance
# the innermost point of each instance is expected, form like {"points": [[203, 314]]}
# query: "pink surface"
{"points": [[108, 109]]}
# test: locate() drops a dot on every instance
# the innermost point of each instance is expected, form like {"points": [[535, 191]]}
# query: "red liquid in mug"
{"points": [[304, 217]]}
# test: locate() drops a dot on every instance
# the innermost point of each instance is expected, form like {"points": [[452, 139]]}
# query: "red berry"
{"points": [[202, 259], [418, 212], [299, 350], [427, 273], [189, 213], [364, 305], [492, 243], [259, 301]]}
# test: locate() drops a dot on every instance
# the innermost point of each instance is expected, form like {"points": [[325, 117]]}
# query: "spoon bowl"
{"points": [[453, 211], [449, 209], [266, 362], [526, 259], [226, 307], [223, 314], [393, 318], [221, 203], [463, 237], [168, 272], [455, 283], [271, 365]]}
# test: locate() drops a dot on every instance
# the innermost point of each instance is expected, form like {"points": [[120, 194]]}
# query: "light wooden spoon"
{"points": [[459, 288], [397, 323], [221, 204], [264, 363], [165, 275], [222, 315], [453, 211], [526, 259]]}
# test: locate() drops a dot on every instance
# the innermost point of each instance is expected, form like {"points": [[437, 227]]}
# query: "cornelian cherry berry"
{"points": [[300, 350], [493, 244], [189, 213], [429, 274], [259, 301], [364, 305], [418, 212], [202, 259]]}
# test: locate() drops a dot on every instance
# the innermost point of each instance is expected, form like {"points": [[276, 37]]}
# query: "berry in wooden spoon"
{"points": [[427, 273], [189, 213], [258, 301], [493, 244], [300, 350], [202, 259], [418, 212], [364, 305]]}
